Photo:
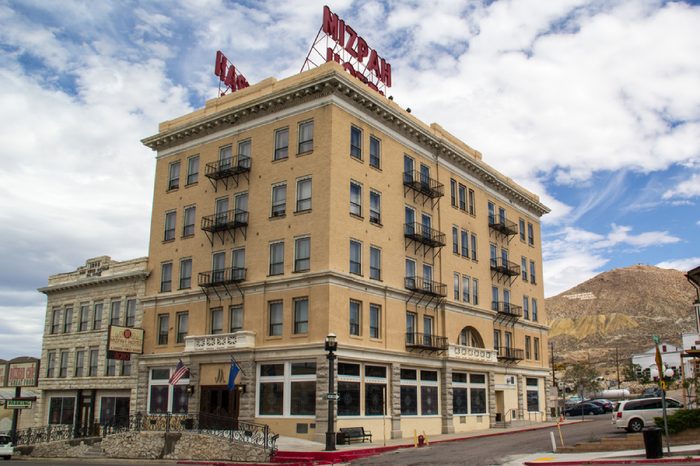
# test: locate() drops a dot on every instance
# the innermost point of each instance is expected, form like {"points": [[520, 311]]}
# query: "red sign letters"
{"points": [[227, 73]]}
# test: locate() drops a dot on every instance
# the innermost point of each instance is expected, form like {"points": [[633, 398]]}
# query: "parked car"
{"points": [[634, 415], [583, 408], [651, 392], [607, 405], [6, 449]]}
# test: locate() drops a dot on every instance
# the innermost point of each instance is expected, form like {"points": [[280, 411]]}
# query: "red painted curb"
{"points": [[694, 460]]}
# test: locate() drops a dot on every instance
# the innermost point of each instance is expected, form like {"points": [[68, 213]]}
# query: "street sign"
{"points": [[656, 339], [333, 396], [18, 404]]}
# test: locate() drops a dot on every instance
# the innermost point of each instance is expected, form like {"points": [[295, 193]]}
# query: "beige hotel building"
{"points": [[313, 205]]}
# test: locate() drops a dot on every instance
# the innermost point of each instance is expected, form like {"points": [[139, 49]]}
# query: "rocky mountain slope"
{"points": [[622, 309]]}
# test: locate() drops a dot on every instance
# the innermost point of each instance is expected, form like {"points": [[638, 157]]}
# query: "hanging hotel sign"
{"points": [[23, 374], [124, 340], [345, 46], [18, 404], [228, 74]]}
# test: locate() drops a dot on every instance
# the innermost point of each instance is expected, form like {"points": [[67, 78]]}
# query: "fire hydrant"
{"points": [[421, 441]]}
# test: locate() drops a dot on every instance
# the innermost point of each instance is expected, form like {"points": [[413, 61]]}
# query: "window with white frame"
{"points": [[277, 258], [287, 389], [306, 137], [281, 144], [279, 200], [355, 257], [50, 364], [163, 397], [533, 394], [419, 389], [192, 169], [355, 199], [302, 254], [169, 233], [275, 318], [468, 393], [304, 195], [355, 317], [84, 317], [217, 321], [301, 315], [361, 385], [375, 154], [235, 318], [465, 289], [375, 209], [375, 321], [356, 142], [456, 285], [375, 263], [475, 294], [174, 175], [130, 315]]}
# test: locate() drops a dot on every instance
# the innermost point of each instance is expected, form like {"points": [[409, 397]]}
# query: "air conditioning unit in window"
{"points": [[510, 380]]}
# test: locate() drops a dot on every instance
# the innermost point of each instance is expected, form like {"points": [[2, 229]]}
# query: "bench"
{"points": [[355, 433]]}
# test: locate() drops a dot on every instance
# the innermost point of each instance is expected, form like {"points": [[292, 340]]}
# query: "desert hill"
{"points": [[620, 308]]}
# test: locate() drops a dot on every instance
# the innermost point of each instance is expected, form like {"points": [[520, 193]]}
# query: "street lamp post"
{"points": [[331, 347]]}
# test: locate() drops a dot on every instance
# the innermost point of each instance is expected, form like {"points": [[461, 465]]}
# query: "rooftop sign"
{"points": [[23, 374], [228, 75], [345, 46]]}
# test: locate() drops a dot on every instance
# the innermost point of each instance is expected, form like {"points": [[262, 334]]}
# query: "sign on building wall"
{"points": [[3, 374], [23, 374], [125, 340]]}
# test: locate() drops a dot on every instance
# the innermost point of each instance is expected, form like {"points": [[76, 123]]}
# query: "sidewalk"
{"points": [[686, 454]]}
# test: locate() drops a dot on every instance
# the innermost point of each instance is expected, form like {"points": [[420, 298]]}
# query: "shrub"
{"points": [[680, 420]]}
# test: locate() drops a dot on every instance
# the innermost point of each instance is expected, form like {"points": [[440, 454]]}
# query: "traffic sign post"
{"points": [[333, 396]]}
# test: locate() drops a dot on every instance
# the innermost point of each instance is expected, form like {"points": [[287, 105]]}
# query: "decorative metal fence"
{"points": [[207, 424]]}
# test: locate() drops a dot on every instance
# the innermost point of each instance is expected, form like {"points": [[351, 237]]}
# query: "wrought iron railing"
{"points": [[504, 307], [425, 340], [225, 220], [227, 167], [505, 267], [510, 354], [422, 285], [424, 234], [502, 225], [207, 424], [221, 277], [423, 184]]}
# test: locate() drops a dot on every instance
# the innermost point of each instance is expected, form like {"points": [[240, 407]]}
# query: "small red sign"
{"points": [[227, 73]]}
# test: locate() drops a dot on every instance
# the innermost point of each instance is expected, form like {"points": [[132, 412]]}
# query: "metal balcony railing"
{"points": [[429, 287], [227, 167], [510, 354], [502, 225], [424, 234], [507, 308], [225, 220], [425, 341], [423, 184], [221, 277], [505, 267]]}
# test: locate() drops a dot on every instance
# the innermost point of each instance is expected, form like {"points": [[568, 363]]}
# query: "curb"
{"points": [[694, 460]]}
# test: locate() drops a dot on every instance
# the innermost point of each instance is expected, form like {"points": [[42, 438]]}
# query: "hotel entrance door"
{"points": [[218, 408]]}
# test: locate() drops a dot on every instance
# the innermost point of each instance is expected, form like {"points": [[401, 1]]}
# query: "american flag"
{"points": [[180, 371]]}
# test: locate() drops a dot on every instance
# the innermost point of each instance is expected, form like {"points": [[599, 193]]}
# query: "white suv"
{"points": [[6, 449], [634, 415]]}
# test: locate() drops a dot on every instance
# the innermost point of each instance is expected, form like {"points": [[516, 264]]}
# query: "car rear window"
{"points": [[4, 439]]}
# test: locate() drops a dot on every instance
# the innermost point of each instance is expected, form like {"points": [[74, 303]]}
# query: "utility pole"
{"points": [[617, 363], [554, 374]]}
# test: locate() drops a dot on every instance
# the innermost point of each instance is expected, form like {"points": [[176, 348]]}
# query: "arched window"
{"points": [[469, 336]]}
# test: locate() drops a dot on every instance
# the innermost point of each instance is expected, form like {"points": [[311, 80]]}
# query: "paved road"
{"points": [[495, 450]]}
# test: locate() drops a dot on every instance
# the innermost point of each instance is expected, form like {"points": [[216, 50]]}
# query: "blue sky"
{"points": [[593, 105]]}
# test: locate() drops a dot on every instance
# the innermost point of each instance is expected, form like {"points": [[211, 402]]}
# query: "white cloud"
{"points": [[680, 264], [686, 189]]}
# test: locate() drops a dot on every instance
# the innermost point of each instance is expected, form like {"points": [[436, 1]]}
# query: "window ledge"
{"points": [[169, 190], [359, 217], [275, 217], [280, 159], [301, 271], [302, 212], [301, 154], [168, 241], [185, 237], [195, 183], [300, 335]]}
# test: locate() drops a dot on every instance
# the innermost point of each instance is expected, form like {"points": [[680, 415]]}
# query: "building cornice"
{"points": [[332, 79], [95, 281]]}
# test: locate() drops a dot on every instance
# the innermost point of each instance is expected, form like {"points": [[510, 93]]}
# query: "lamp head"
{"points": [[331, 342]]}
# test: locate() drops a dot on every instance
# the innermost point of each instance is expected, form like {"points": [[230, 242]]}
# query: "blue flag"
{"points": [[233, 372]]}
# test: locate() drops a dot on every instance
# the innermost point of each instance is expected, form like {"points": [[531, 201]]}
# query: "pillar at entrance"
{"points": [[448, 426], [492, 399], [395, 401]]}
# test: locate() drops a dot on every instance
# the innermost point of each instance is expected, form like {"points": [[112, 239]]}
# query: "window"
{"points": [[425, 176], [130, 320], [183, 324], [225, 156], [218, 267], [465, 243], [453, 192], [375, 154], [244, 149], [521, 229], [79, 363], [355, 313], [456, 285], [238, 264], [475, 294], [192, 169], [455, 239], [166, 277], [97, 317], [468, 393], [174, 176], [497, 339], [526, 308], [492, 213], [410, 220], [163, 328], [217, 321], [84, 317], [408, 168], [410, 328], [536, 348], [355, 199], [351, 378], [533, 278], [287, 389], [281, 144], [465, 288], [240, 203], [494, 298], [375, 210], [188, 227], [530, 235], [275, 308], [115, 312], [185, 273], [306, 137], [356, 142], [410, 273], [111, 369], [419, 388], [534, 310], [427, 330], [169, 233], [126, 369], [55, 321], [533, 394], [349, 389], [68, 320], [277, 258], [523, 268], [301, 315], [94, 353], [236, 318], [472, 210], [375, 319], [462, 197], [50, 364], [165, 398], [473, 238], [355, 257], [279, 200], [528, 347], [61, 410], [221, 210], [304, 195], [493, 255], [302, 254], [375, 263]]}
